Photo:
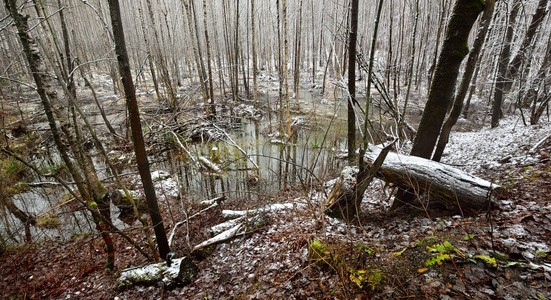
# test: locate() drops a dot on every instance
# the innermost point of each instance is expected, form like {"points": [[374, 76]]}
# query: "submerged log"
{"points": [[441, 185]]}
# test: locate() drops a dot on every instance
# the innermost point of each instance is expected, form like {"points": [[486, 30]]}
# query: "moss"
{"points": [[76, 235], [187, 271], [318, 252], [366, 249], [488, 260], [48, 221], [12, 170], [93, 204], [373, 277], [441, 252], [21, 187]]}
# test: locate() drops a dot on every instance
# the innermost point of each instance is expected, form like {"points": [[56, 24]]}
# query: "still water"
{"points": [[253, 162]]}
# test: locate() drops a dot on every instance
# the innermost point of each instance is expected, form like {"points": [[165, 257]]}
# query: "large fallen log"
{"points": [[440, 185]]}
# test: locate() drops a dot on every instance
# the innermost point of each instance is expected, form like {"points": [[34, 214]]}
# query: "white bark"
{"points": [[269, 208], [222, 237]]}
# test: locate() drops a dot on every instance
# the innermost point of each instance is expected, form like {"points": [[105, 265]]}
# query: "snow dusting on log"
{"points": [[224, 236], [448, 185], [180, 271], [270, 208]]}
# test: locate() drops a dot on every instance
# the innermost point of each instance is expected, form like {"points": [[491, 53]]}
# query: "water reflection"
{"points": [[269, 164], [255, 162]]}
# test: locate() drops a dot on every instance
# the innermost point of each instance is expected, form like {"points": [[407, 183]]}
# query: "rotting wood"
{"points": [[346, 196], [269, 208], [242, 222], [441, 184], [212, 166]]}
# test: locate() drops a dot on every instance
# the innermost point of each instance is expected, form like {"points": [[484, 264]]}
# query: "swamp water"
{"points": [[254, 163]]}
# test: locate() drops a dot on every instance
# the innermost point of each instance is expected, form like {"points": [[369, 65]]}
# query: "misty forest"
{"points": [[283, 149]]}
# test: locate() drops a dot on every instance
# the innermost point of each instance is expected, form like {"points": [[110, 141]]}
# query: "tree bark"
{"points": [[85, 177], [503, 61], [255, 59], [464, 86], [453, 52], [352, 38], [136, 127], [527, 43], [442, 186], [347, 193], [211, 110], [178, 271]]}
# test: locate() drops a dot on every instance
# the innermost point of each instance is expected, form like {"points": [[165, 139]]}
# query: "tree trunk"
{"points": [[502, 63], [149, 54], [527, 44], [442, 18], [86, 180], [255, 59], [196, 48], [352, 38], [410, 71], [136, 127], [297, 55], [346, 195], [453, 52], [464, 86], [161, 59], [211, 111], [542, 83]]}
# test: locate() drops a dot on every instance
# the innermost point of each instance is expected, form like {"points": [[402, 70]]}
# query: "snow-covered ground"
{"points": [[273, 263], [510, 142]]}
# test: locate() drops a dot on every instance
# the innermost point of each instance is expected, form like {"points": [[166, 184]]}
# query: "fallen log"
{"points": [[212, 204], [180, 271], [441, 185], [226, 213], [242, 222], [222, 237]]}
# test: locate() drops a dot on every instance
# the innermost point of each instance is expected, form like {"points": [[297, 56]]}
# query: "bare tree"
{"points": [[503, 60], [464, 86], [526, 45], [351, 116], [136, 126], [454, 50], [83, 173], [211, 110]]}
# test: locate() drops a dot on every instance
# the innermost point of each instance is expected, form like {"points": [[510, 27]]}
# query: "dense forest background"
{"points": [[230, 41], [118, 118]]}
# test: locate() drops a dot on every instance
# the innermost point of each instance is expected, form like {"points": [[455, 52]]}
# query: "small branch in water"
{"points": [[232, 143], [183, 147]]}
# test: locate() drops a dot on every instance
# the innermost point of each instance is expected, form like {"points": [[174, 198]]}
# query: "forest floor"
{"points": [[504, 253]]}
